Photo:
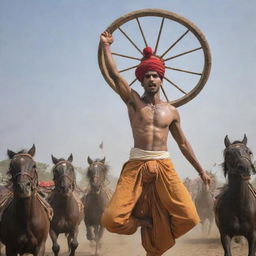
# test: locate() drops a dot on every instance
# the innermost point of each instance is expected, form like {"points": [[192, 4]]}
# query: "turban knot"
{"points": [[149, 63]]}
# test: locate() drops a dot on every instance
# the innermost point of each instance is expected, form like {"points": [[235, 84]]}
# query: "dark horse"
{"points": [[67, 207], [95, 200], [235, 207], [25, 221], [204, 201]]}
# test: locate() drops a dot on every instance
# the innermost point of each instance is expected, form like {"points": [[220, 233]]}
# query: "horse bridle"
{"points": [[34, 180], [237, 145], [97, 176], [65, 175]]}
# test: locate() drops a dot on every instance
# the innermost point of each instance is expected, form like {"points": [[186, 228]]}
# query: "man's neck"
{"points": [[151, 98]]}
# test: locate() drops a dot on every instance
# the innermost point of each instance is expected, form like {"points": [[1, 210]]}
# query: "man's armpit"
{"points": [[131, 104]]}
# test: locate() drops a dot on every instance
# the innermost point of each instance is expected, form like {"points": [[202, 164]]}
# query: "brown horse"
{"points": [[96, 200], [4, 191], [25, 222], [235, 208], [68, 209]]}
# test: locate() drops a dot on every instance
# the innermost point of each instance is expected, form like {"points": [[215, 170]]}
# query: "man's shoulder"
{"points": [[170, 107]]}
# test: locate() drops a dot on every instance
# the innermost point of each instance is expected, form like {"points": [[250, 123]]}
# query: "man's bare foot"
{"points": [[145, 222]]}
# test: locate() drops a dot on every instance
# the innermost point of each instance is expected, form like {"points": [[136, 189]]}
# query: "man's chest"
{"points": [[153, 115]]}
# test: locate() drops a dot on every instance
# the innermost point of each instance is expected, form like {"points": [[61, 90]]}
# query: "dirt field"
{"points": [[192, 244]]}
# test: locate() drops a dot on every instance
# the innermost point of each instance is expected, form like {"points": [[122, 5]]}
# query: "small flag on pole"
{"points": [[101, 145]]}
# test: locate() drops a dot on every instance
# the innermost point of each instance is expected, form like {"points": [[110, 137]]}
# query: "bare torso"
{"points": [[150, 123]]}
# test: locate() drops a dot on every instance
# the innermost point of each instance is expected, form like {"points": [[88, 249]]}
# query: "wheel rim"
{"points": [[190, 29]]}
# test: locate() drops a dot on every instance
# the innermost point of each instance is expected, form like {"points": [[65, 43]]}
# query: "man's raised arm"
{"points": [[122, 87]]}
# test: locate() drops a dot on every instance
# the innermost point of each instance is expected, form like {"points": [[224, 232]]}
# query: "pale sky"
{"points": [[52, 92]]}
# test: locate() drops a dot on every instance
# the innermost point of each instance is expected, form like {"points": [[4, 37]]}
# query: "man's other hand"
{"points": [[106, 38], [205, 178]]}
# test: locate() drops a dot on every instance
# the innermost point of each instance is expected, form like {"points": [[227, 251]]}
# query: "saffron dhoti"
{"points": [[151, 189]]}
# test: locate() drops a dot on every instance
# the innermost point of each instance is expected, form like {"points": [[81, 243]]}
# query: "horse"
{"points": [[4, 190], [204, 202], [235, 206], [25, 220], [67, 207], [96, 200]]}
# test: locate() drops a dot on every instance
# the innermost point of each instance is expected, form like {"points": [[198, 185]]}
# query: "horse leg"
{"points": [[98, 238], [73, 243], [252, 244], [89, 234], [40, 250], [9, 251], [203, 226], [226, 240], [55, 246], [210, 225]]}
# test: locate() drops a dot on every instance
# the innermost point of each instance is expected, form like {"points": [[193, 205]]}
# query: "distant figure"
{"points": [[149, 193]]}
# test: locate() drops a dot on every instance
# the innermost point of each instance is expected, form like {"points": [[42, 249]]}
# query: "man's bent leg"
{"points": [[176, 199], [117, 216]]}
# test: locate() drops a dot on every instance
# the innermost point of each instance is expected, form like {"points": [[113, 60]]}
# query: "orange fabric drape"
{"points": [[151, 188]]}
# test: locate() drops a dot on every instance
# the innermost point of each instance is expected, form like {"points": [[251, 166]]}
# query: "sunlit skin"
{"points": [[151, 119]]}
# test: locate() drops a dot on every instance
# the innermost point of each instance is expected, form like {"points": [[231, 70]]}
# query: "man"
{"points": [[149, 193]]}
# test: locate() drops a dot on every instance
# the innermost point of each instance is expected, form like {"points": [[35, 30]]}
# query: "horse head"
{"points": [[23, 172], [97, 173], [238, 159], [64, 175]]}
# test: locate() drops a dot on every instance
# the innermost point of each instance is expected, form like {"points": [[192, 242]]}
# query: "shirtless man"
{"points": [[148, 187]]}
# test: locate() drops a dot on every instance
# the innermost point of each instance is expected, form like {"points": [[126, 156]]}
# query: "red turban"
{"points": [[149, 63]]}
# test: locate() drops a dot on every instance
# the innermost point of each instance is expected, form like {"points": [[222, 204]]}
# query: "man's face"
{"points": [[151, 82]]}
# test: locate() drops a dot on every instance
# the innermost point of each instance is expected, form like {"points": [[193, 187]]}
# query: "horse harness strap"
{"points": [[46, 206], [252, 190]]}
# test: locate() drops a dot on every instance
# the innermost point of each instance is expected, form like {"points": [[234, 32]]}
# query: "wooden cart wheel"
{"points": [[175, 39]]}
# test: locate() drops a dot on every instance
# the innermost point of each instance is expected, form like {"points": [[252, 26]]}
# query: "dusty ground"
{"points": [[192, 244]]}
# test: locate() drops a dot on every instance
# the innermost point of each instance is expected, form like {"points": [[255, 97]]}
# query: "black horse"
{"points": [[68, 208], [235, 207], [95, 200], [25, 221]]}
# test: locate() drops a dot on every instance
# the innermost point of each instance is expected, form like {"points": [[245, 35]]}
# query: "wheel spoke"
{"points": [[133, 82], [165, 95], [126, 56], [141, 31], [159, 34], [175, 85], [184, 53], [174, 44], [185, 71], [130, 40], [123, 70]]}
